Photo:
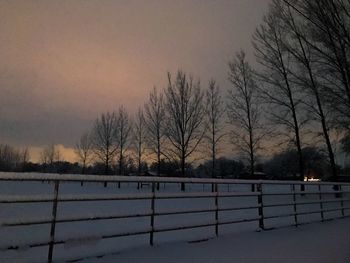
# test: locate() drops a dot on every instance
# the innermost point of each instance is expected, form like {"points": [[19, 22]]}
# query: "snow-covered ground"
{"points": [[92, 231], [327, 242]]}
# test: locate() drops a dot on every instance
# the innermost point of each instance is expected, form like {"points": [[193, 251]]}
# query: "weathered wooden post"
{"points": [[261, 206], [152, 215], [53, 222]]}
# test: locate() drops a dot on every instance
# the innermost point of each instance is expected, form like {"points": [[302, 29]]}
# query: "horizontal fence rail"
{"points": [[263, 200]]}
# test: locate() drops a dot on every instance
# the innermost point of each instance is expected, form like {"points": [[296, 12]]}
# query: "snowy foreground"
{"points": [[327, 242]]}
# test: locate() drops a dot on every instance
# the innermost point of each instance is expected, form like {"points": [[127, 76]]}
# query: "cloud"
{"points": [[65, 62]]}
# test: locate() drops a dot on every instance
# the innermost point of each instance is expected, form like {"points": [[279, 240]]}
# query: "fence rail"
{"points": [[261, 206]]}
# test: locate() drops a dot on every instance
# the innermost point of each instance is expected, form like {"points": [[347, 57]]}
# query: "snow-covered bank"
{"points": [[327, 242]]}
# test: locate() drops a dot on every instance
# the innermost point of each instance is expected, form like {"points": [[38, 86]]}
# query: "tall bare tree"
{"points": [[328, 35], [84, 150], [215, 111], [306, 62], [139, 138], [184, 117], [243, 109], [278, 90], [123, 136], [155, 122], [105, 143]]}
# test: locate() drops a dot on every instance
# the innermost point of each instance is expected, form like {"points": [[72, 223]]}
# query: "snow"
{"points": [[97, 237], [326, 242]]}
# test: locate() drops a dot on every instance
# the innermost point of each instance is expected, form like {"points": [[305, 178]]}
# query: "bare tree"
{"points": [[139, 138], [105, 144], [278, 89], [215, 121], [243, 109], [155, 122], [306, 62], [184, 116], [24, 157], [328, 35], [122, 136], [84, 150]]}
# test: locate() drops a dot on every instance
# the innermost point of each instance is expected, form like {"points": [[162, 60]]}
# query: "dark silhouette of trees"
{"points": [[284, 165]]}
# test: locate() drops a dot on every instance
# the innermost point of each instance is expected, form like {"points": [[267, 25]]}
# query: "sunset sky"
{"points": [[64, 62]]}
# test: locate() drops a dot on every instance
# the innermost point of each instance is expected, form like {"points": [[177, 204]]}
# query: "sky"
{"points": [[62, 63]]}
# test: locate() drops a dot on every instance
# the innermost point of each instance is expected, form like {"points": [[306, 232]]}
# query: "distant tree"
{"points": [[104, 139], [49, 156], [10, 158], [123, 136], [215, 111], [155, 124], [224, 168], [24, 158], [84, 150], [284, 164], [243, 109], [167, 167], [184, 117]]}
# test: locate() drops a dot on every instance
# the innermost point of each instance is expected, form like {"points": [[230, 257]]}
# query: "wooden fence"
{"points": [[327, 192]]}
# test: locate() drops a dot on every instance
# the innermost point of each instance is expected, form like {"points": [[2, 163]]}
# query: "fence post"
{"points": [[261, 206], [152, 215], [216, 210], [321, 203], [53, 222], [295, 206], [342, 202]]}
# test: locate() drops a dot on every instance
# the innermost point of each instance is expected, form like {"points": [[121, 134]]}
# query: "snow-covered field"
{"points": [[92, 231], [326, 242]]}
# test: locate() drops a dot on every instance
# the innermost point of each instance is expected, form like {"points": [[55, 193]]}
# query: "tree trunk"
{"points": [[183, 171]]}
